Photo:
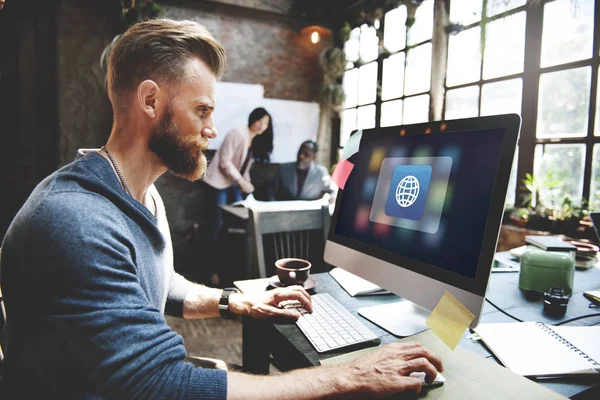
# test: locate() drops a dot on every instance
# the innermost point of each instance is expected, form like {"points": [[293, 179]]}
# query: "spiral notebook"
{"points": [[535, 349]]}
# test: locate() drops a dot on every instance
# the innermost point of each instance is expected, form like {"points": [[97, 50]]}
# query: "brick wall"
{"points": [[261, 48]]}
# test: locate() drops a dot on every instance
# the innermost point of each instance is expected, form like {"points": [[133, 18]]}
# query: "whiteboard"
{"points": [[293, 121], [235, 102]]}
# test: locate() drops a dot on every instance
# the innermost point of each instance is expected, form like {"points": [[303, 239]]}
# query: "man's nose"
{"points": [[210, 130], [209, 133]]}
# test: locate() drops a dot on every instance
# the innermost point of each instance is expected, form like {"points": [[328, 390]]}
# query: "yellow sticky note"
{"points": [[449, 319]]}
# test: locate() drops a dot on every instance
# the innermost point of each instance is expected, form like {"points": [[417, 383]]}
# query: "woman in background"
{"points": [[228, 174], [262, 145]]}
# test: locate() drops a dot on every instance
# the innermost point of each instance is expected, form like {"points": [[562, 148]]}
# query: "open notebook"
{"points": [[538, 350], [355, 285]]}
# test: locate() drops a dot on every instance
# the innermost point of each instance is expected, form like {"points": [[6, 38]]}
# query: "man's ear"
{"points": [[147, 96]]}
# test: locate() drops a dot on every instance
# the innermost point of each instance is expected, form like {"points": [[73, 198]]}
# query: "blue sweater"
{"points": [[85, 286]]}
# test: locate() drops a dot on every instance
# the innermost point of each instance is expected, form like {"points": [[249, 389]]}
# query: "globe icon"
{"points": [[407, 191]]}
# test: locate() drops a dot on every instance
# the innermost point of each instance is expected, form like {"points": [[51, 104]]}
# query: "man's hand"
{"points": [[385, 372], [265, 305], [245, 186], [380, 374]]}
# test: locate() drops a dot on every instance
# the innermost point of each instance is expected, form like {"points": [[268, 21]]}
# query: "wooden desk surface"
{"points": [[292, 350]]}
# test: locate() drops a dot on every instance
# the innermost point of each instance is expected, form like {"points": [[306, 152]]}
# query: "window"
{"points": [[566, 141], [390, 87], [486, 62], [504, 56]]}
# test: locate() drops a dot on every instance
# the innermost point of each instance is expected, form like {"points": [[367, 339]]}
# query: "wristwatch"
{"points": [[224, 310]]}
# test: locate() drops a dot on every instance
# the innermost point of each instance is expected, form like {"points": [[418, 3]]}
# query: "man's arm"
{"points": [[118, 341], [203, 302], [232, 145], [379, 374], [325, 180]]}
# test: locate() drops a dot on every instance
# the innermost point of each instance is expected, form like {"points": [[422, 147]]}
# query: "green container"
{"points": [[542, 270]]}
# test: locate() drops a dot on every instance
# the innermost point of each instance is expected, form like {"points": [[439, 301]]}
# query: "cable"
{"points": [[560, 323], [502, 311], [577, 318]]}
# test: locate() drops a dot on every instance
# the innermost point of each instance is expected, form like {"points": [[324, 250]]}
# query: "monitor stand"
{"points": [[402, 318]]}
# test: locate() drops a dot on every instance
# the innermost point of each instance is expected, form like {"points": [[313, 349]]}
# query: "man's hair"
{"points": [[158, 49], [310, 143]]}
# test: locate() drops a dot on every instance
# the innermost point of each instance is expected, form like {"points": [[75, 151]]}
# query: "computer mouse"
{"points": [[438, 381]]}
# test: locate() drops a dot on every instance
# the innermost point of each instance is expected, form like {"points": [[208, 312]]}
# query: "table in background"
{"points": [[290, 349]]}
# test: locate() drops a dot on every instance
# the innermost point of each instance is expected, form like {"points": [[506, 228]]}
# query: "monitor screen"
{"points": [[424, 197], [429, 199]]}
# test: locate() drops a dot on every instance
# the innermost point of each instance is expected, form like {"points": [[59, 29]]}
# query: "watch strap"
{"points": [[224, 310]]}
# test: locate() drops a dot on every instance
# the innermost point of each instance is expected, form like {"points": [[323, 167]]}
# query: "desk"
{"points": [[291, 350]]}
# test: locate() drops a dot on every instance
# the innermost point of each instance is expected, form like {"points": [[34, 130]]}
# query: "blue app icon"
{"points": [[407, 194]]}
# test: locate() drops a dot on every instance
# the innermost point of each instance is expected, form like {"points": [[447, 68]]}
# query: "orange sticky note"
{"points": [[449, 319], [341, 173]]}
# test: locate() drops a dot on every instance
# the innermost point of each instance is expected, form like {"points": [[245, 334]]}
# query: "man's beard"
{"points": [[184, 159]]}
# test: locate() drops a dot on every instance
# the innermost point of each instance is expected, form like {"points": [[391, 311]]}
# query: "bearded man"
{"points": [[87, 264]]}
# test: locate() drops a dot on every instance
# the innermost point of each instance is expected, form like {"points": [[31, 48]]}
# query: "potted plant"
{"points": [[554, 214]]}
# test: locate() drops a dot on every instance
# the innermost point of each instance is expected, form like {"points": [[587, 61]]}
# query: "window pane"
{"points": [[369, 43], [351, 87], [465, 12], [597, 123], [495, 7], [563, 103], [511, 191], [394, 37], [365, 117], [347, 124], [502, 97], [567, 31], [559, 167], [422, 29], [504, 46], [595, 184], [391, 113], [416, 109], [367, 83], [462, 103], [464, 57], [352, 45], [392, 85], [418, 70]]}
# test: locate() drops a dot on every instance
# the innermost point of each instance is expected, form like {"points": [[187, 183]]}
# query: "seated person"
{"points": [[87, 264], [303, 179]]}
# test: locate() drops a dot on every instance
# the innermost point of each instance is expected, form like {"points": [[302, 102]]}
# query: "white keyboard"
{"points": [[330, 326]]}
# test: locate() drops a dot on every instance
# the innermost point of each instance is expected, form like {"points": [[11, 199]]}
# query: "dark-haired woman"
{"points": [[228, 174]]}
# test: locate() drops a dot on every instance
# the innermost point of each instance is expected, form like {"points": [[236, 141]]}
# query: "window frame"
{"points": [[532, 71], [378, 100], [530, 76], [529, 108]]}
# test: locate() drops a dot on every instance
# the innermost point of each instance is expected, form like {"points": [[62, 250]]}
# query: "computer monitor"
{"points": [[421, 211], [595, 217]]}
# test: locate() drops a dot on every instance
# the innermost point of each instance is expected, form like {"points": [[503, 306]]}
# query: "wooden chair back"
{"points": [[282, 234]]}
